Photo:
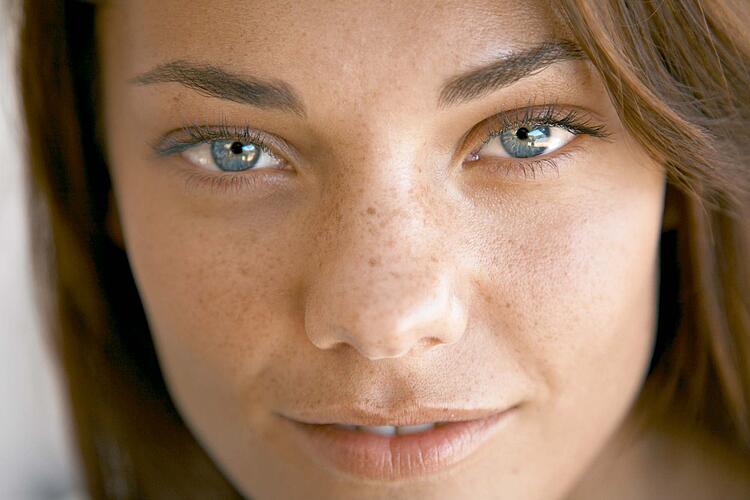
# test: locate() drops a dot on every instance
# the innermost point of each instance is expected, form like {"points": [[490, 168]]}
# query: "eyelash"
{"points": [[174, 144], [200, 134], [575, 122]]}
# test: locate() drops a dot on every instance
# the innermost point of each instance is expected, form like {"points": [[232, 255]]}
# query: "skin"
{"points": [[379, 272]]}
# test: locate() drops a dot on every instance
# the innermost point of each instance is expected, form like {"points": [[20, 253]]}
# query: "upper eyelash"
{"points": [[573, 121], [173, 144]]}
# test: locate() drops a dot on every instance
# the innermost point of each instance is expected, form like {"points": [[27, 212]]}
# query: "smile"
{"points": [[393, 452]]}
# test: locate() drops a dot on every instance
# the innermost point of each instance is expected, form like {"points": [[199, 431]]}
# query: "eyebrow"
{"points": [[213, 81], [501, 73]]}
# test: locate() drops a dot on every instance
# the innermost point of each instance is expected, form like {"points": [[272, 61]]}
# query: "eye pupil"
{"points": [[522, 133], [236, 148]]}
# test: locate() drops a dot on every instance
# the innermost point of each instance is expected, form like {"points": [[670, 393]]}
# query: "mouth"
{"points": [[389, 448]]}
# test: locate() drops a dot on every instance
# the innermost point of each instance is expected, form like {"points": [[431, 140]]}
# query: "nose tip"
{"points": [[388, 319]]}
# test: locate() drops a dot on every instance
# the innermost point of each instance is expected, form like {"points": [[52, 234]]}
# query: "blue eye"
{"points": [[525, 142], [231, 156], [234, 156]]}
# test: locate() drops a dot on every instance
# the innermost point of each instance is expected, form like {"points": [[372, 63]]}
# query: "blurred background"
{"points": [[36, 461]]}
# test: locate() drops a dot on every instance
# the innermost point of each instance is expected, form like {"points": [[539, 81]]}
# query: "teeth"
{"points": [[411, 429], [389, 430], [383, 430]]}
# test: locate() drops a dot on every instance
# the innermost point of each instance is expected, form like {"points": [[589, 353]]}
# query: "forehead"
{"points": [[357, 42]]}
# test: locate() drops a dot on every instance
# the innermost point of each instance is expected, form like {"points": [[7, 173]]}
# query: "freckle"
{"points": [[433, 258], [507, 305], [371, 210]]}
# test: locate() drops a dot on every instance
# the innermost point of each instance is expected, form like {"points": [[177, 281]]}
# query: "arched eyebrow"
{"points": [[276, 94], [213, 81], [509, 69]]}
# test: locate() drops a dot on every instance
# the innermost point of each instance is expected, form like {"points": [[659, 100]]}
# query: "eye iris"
{"points": [[233, 156], [524, 143]]}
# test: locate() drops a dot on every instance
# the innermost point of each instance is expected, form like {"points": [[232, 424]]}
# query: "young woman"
{"points": [[461, 249]]}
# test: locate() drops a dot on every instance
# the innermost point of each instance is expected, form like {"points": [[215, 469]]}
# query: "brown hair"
{"points": [[678, 72]]}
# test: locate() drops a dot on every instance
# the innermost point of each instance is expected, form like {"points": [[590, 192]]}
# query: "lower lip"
{"points": [[390, 458]]}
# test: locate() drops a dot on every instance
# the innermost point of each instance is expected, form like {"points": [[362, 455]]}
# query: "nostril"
{"points": [[428, 342], [330, 341], [424, 344]]}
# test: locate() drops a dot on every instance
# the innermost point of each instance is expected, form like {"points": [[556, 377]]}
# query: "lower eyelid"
{"points": [[205, 179], [262, 181], [542, 166]]}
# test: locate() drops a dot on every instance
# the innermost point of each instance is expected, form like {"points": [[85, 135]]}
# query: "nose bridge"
{"points": [[385, 284]]}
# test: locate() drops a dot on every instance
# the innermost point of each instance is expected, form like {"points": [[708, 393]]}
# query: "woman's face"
{"points": [[382, 212]]}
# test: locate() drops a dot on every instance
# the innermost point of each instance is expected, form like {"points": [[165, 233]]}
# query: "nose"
{"points": [[386, 283]]}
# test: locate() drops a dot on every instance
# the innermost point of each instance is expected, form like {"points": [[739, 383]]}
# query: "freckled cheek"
{"points": [[218, 290], [604, 298], [579, 280], [599, 331]]}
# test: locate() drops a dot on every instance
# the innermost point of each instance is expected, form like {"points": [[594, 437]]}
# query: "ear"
{"points": [[672, 203], [114, 229]]}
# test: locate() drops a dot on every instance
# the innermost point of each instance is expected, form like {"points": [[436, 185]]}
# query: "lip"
{"points": [[363, 416], [390, 458]]}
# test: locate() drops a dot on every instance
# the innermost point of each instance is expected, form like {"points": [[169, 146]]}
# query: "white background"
{"points": [[35, 455]]}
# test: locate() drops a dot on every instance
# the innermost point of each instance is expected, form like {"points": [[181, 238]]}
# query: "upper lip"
{"points": [[410, 415]]}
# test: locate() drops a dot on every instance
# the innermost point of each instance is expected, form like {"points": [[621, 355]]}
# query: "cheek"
{"points": [[569, 280], [572, 266], [573, 281], [218, 285], [589, 307], [219, 292]]}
